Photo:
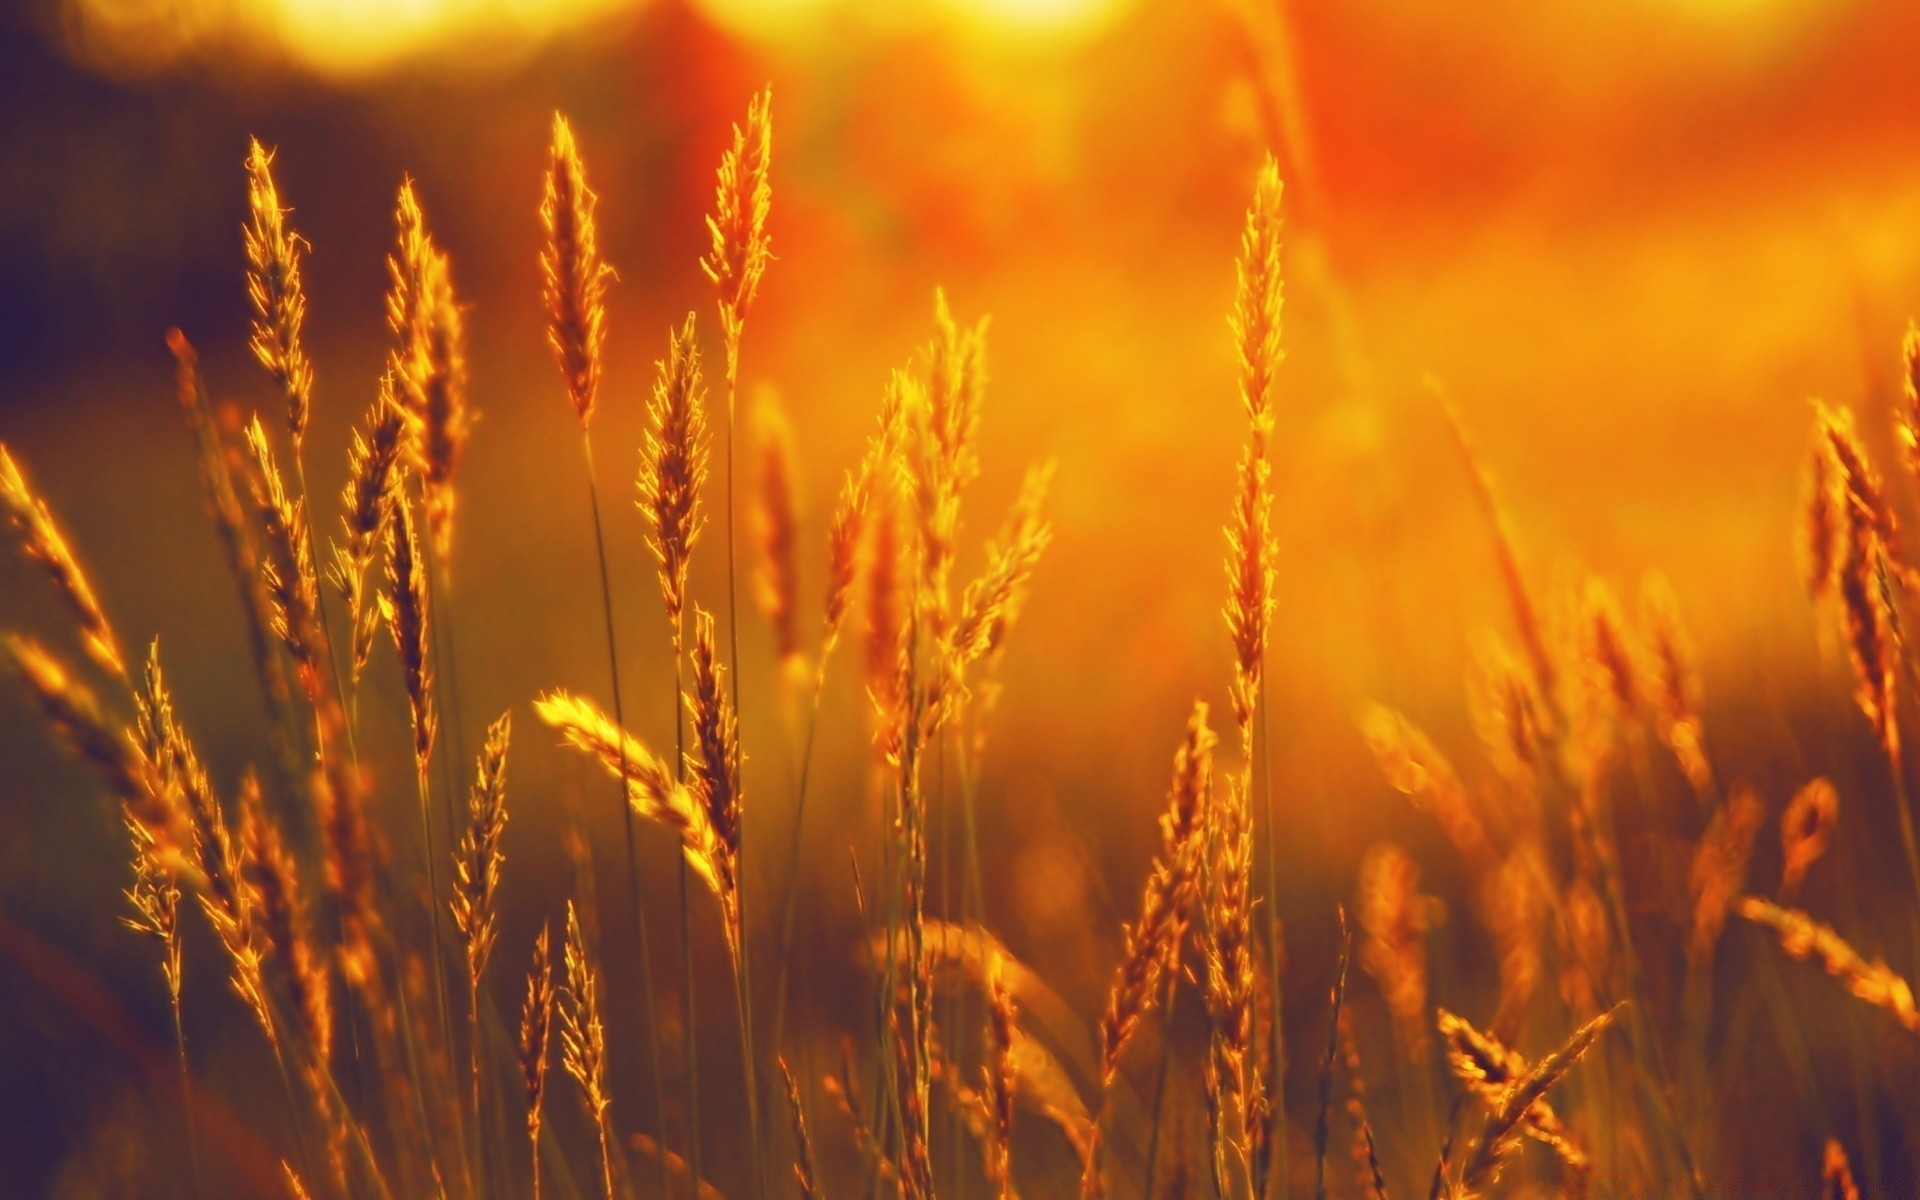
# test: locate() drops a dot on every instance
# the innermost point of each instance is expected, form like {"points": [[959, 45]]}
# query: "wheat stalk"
{"points": [[42, 541], [154, 901], [651, 790], [1153, 942], [572, 272], [1487, 1068], [274, 287], [1871, 982], [373, 480], [574, 286], [735, 262], [1506, 1120], [536, 1026], [583, 1039], [429, 363], [237, 542], [711, 763], [476, 881], [1236, 1090]]}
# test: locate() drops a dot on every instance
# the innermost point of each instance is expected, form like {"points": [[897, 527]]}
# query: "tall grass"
{"points": [[1586, 728]]}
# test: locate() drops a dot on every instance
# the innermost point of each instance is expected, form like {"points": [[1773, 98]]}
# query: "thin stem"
{"points": [[606, 1156], [787, 905], [320, 594], [414, 1076], [448, 751], [626, 813], [473, 1046], [743, 981], [433, 909], [1160, 1084], [733, 653], [186, 1095], [1277, 1084], [686, 928]]}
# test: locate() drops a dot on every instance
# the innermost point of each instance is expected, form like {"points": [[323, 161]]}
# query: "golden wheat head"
{"points": [[574, 277]]}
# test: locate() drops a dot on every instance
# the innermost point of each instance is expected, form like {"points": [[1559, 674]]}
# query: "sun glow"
{"points": [[333, 37]]}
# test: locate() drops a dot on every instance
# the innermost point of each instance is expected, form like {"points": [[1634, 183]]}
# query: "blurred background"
{"points": [[1633, 239]]}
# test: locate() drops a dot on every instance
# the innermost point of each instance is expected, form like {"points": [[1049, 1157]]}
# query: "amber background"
{"points": [[1632, 238]]}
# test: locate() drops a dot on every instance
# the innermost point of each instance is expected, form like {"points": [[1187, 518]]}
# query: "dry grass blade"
{"points": [[43, 542], [673, 466], [1153, 942], [1506, 1120], [1872, 982], [274, 287], [573, 275]]}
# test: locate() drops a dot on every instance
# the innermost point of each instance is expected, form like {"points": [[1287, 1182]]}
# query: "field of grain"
{"points": [[1103, 598]]}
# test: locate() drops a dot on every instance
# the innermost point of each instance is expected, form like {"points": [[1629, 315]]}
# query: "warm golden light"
{"points": [[331, 37]]}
